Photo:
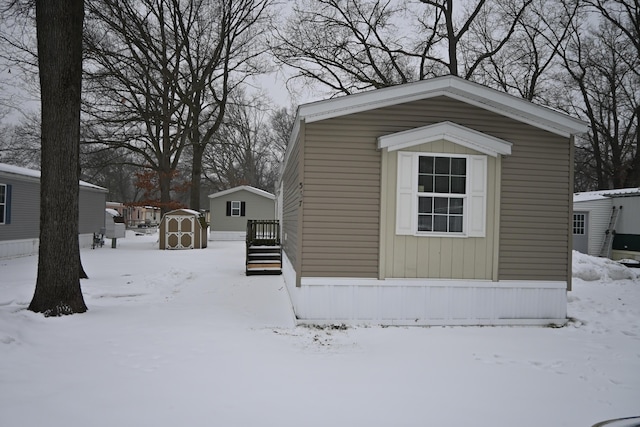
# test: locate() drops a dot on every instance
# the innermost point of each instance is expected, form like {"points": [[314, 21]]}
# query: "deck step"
{"points": [[264, 267], [263, 256], [269, 262], [264, 260], [262, 247]]}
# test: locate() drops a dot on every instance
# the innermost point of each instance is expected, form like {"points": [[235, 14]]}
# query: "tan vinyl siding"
{"points": [[341, 199], [437, 257], [291, 199], [341, 227], [535, 206]]}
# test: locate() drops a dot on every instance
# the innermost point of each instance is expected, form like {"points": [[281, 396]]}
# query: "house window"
{"points": [[5, 204], [441, 194], [236, 208], [579, 220]]}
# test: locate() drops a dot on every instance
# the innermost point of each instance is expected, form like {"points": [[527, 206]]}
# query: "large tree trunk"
{"points": [[59, 33]]}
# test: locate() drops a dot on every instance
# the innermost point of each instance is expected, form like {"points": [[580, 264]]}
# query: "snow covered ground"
{"points": [[184, 338]]}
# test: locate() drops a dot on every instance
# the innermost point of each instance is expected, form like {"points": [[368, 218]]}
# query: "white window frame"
{"points": [[235, 208], [475, 197], [3, 204], [579, 224]]}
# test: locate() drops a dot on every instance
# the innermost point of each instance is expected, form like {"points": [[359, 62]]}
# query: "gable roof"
{"points": [[246, 188], [35, 175], [452, 87]]}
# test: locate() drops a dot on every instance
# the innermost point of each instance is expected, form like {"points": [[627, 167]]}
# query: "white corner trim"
{"points": [[449, 131]]}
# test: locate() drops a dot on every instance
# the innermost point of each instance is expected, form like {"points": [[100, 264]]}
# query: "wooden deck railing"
{"points": [[263, 232]]}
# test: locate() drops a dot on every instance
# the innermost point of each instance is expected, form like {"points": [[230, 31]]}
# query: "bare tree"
{"points": [[601, 65], [625, 16], [346, 46], [160, 73], [247, 151], [59, 34], [281, 122], [133, 66], [349, 46], [20, 143], [223, 45], [499, 21], [528, 65], [19, 84]]}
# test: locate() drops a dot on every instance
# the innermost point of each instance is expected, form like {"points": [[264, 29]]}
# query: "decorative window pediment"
{"points": [[448, 131]]}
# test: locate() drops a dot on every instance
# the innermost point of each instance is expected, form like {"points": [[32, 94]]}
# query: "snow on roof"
{"points": [[112, 212], [254, 190], [605, 194], [32, 173], [189, 211]]}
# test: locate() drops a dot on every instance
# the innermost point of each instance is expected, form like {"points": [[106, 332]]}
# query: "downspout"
{"points": [[496, 219], [570, 210]]}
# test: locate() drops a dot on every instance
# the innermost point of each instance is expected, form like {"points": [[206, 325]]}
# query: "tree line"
{"points": [[166, 83]]}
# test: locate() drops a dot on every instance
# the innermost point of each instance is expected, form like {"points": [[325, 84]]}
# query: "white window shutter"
{"points": [[405, 202], [477, 196]]}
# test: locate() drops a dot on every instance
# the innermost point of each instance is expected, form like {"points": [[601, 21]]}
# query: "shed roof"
{"points": [[35, 174], [243, 187], [604, 194], [188, 211]]}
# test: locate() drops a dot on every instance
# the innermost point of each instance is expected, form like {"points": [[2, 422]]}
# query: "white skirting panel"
{"points": [[17, 248], [227, 235], [85, 240], [423, 302], [27, 247]]}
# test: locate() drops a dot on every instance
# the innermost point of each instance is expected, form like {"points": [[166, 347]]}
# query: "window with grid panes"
{"points": [[441, 193], [579, 220]]}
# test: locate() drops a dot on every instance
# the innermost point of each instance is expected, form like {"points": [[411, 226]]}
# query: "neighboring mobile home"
{"points": [[230, 210], [137, 216], [607, 223], [20, 211], [435, 202]]}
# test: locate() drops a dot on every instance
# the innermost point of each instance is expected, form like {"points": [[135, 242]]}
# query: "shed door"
{"points": [[180, 233], [581, 231]]}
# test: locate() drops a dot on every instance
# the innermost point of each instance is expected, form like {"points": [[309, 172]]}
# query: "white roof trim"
{"points": [[453, 87], [448, 131], [34, 175], [246, 188]]}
